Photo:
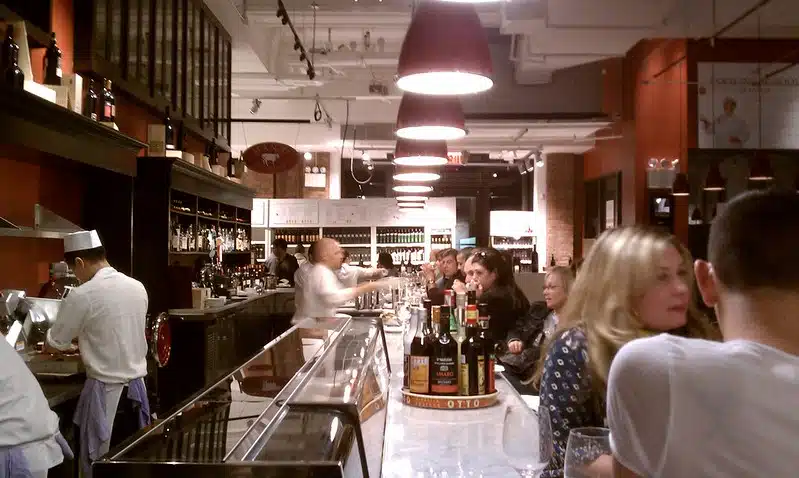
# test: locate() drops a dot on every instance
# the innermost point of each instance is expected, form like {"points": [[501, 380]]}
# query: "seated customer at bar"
{"points": [[635, 282], [448, 266], [463, 255], [30, 443], [681, 407]]}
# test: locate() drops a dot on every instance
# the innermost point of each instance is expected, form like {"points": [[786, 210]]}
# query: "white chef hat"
{"points": [[81, 241]]}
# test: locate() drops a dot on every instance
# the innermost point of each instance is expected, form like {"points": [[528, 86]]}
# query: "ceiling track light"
{"points": [[283, 15]]}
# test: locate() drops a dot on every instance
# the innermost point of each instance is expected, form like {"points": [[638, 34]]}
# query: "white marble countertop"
{"points": [[444, 443]]}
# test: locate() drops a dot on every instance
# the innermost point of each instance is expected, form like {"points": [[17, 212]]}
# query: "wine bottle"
{"points": [[486, 353], [444, 361], [8, 45], [421, 350], [108, 113], [90, 102], [406, 357], [169, 131], [13, 74], [470, 349], [552, 262], [534, 259], [52, 63]]}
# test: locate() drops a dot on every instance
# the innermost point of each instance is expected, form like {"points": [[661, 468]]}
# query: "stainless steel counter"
{"points": [[425, 442], [231, 306]]}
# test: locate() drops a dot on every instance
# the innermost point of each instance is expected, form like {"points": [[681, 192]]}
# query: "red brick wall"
{"points": [[560, 206], [290, 184]]}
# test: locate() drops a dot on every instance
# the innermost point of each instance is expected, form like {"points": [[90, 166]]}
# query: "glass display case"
{"points": [[313, 403]]}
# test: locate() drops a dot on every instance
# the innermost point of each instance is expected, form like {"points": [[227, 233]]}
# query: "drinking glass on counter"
{"points": [[584, 447], [527, 439]]}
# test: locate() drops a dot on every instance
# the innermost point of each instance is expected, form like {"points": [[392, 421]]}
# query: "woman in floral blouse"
{"points": [[634, 282]]}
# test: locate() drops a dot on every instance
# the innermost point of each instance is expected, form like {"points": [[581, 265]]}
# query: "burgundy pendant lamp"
{"points": [[420, 153], [760, 167], [430, 118], [445, 51], [715, 181], [680, 186], [405, 174]]}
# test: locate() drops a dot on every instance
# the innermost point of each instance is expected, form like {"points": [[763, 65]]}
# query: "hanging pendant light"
{"points": [[445, 51], [412, 188], [430, 118], [760, 168], [415, 175], [420, 153], [715, 181], [411, 199], [680, 186], [411, 205]]}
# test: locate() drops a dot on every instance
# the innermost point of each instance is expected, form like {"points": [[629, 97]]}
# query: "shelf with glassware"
{"points": [[523, 250], [196, 223]]}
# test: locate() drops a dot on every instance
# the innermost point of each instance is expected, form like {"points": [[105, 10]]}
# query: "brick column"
{"points": [[560, 207]]}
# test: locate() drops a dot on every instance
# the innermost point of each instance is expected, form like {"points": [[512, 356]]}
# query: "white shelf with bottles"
{"points": [[523, 249]]}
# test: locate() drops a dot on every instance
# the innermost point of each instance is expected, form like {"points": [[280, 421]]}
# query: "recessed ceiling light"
{"points": [[412, 188]]}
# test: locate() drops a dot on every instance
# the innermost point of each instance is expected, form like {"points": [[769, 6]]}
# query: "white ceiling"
{"points": [[548, 35]]}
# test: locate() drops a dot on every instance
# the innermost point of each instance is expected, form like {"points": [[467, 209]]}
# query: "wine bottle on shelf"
{"points": [[552, 262], [444, 360], [421, 350], [534, 259], [52, 63], [13, 74], [486, 352], [8, 45], [90, 102], [470, 349], [169, 131], [109, 103]]}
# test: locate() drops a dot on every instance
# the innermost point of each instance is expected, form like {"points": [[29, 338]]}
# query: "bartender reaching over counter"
{"points": [[107, 315], [319, 292]]}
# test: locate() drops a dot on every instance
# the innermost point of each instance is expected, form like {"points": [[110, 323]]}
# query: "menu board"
{"points": [[293, 212], [346, 212]]}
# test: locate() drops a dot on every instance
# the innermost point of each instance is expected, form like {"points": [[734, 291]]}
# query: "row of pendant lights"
{"points": [[444, 54], [759, 170]]}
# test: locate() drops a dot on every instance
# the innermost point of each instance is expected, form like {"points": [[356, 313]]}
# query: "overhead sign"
{"points": [[270, 158]]}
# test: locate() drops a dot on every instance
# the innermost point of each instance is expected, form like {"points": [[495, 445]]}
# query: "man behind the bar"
{"points": [[107, 314], [448, 267], [283, 264], [684, 408]]}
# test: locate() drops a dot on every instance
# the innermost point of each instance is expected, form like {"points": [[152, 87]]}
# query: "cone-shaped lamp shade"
{"points": [[412, 188], [411, 199], [430, 118], [680, 186], [760, 168], [415, 175], [714, 180], [445, 51], [420, 153]]}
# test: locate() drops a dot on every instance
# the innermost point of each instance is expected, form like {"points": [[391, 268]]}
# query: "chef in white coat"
{"points": [[351, 275], [107, 314], [29, 437], [729, 130], [319, 292]]}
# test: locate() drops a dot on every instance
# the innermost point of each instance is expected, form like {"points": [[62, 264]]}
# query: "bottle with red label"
{"points": [[108, 113], [444, 360], [486, 355]]}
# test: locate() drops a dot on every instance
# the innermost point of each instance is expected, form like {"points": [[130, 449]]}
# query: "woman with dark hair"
{"points": [[384, 261], [490, 272]]}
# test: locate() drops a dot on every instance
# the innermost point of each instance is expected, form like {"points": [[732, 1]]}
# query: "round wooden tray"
{"points": [[449, 402]]}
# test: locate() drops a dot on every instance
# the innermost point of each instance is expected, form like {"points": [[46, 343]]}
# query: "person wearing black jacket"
{"points": [[448, 266]]}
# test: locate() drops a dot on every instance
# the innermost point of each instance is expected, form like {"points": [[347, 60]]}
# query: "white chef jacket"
{"points": [[350, 276], [725, 127], [318, 292], [108, 316], [25, 416]]}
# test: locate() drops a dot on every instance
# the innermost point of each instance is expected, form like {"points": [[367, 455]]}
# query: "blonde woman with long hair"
{"points": [[635, 282]]}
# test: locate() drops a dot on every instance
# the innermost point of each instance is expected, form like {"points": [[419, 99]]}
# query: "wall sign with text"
{"points": [[736, 112]]}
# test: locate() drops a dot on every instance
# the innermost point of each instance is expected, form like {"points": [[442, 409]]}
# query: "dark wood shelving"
{"points": [[40, 125]]}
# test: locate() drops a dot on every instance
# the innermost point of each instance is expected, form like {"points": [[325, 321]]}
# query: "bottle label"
{"points": [[108, 111], [490, 386], [113, 111], [58, 71], [420, 374], [481, 375], [453, 324], [444, 376], [463, 383], [93, 116]]}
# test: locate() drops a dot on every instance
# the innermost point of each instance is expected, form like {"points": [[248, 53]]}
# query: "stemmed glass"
{"points": [[585, 446], [527, 439]]}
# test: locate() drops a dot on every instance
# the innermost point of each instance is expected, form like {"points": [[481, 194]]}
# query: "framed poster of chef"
{"points": [[740, 106]]}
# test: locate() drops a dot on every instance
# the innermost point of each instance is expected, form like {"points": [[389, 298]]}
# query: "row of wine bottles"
{"points": [[438, 363]]}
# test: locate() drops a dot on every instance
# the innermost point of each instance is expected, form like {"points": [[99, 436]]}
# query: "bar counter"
{"points": [[427, 442], [275, 300]]}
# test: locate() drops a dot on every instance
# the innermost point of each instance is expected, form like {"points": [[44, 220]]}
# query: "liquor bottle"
{"points": [[444, 361], [108, 113], [534, 259], [435, 320], [460, 315], [8, 45], [428, 317], [406, 357], [90, 102], [421, 350], [470, 348], [486, 354], [13, 74], [52, 63], [449, 299], [552, 262], [471, 299], [169, 131]]}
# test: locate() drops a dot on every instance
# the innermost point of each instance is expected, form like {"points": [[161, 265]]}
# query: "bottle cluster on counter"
{"points": [[400, 235], [451, 352]]}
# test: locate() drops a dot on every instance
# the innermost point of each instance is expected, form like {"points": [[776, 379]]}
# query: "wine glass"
{"points": [[584, 447], [527, 439]]}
